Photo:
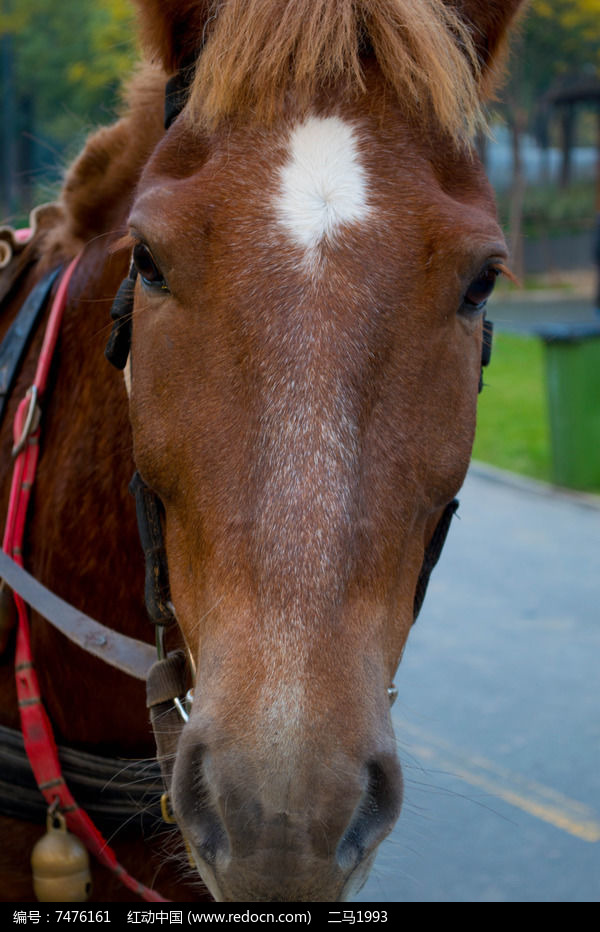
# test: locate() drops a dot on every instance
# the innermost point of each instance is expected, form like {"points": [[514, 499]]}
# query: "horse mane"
{"points": [[254, 53]]}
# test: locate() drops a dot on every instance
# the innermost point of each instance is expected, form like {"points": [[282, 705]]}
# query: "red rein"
{"points": [[35, 724]]}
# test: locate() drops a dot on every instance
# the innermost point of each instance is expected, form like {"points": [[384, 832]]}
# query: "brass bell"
{"points": [[8, 616], [60, 864]]}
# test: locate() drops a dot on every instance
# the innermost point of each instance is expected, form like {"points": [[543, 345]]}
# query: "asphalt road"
{"points": [[498, 715], [528, 312]]}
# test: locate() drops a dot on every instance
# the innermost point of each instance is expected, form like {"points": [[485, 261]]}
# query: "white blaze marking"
{"points": [[324, 185]]}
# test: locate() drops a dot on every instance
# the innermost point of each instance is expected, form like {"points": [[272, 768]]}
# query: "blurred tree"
{"points": [[559, 42], [62, 63], [66, 61], [570, 29]]}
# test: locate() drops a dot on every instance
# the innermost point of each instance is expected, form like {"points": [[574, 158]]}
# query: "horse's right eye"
{"points": [[479, 291], [147, 268]]}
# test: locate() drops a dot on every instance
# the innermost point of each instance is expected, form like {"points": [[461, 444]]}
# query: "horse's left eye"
{"points": [[479, 291], [147, 268]]}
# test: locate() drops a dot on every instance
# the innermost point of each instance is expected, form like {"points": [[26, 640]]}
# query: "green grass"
{"points": [[512, 418]]}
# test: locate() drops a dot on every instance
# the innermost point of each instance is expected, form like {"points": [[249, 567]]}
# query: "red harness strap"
{"points": [[37, 729]]}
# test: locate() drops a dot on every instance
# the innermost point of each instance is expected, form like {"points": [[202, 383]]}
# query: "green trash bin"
{"points": [[573, 380]]}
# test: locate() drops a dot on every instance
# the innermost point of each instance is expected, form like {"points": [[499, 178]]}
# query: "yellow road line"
{"points": [[534, 798]]}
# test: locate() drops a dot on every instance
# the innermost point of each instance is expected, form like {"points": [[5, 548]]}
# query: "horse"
{"points": [[307, 241]]}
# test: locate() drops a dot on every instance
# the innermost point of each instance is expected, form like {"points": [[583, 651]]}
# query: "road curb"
{"points": [[534, 486]]}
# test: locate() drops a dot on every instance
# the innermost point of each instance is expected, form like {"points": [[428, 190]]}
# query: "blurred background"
{"points": [[62, 65]]}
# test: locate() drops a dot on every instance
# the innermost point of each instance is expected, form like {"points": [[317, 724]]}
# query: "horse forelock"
{"points": [[256, 54]]}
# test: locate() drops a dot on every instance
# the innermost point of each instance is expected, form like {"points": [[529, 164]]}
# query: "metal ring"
{"points": [[32, 394], [182, 706], [181, 709]]}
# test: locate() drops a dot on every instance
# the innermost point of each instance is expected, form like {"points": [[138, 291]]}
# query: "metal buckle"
{"points": [[166, 810], [168, 816], [31, 421]]}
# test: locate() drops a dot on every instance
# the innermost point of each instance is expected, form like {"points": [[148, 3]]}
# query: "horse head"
{"points": [[312, 271]]}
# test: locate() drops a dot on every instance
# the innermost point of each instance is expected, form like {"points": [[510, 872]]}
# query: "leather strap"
{"points": [[149, 516], [166, 681], [177, 90], [432, 554], [124, 653], [19, 333], [486, 348], [119, 341], [120, 795]]}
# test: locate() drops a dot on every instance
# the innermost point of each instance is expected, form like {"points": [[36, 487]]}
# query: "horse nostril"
{"points": [[209, 835], [196, 812], [375, 815]]}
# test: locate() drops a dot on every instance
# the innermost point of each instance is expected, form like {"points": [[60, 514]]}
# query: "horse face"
{"points": [[305, 366]]}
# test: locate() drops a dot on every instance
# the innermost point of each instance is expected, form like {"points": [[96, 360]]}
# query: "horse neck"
{"points": [[82, 540]]}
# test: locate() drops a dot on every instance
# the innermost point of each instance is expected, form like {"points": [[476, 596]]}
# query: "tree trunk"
{"points": [[597, 230], [517, 194], [8, 192], [567, 124]]}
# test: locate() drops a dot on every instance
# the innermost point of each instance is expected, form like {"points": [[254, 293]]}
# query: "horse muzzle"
{"points": [[265, 822]]}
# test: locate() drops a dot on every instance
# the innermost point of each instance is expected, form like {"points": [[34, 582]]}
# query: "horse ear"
{"points": [[489, 21], [171, 31]]}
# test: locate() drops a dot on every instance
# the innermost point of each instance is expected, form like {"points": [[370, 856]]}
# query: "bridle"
{"points": [[166, 674]]}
